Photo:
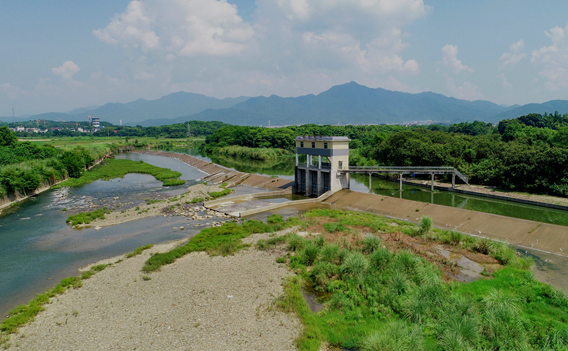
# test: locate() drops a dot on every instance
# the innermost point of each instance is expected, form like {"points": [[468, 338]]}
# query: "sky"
{"points": [[62, 54]]}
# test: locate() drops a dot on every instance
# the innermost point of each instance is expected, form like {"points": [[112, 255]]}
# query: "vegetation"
{"points": [[529, 153], [139, 250], [87, 217], [25, 166], [118, 168], [23, 314], [223, 240], [382, 295]]}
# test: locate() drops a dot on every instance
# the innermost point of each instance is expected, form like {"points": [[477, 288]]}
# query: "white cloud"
{"points": [[186, 27], [449, 58], [504, 80], [67, 70], [291, 47], [132, 28], [12, 92], [554, 59], [466, 90], [513, 57]]}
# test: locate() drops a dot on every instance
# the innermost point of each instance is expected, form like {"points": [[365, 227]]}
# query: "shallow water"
{"points": [[38, 249]]}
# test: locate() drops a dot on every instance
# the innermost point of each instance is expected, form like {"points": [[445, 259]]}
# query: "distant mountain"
{"points": [[550, 106], [348, 103], [169, 106], [82, 110]]}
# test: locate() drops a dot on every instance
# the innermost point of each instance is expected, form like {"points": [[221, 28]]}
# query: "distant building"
{"points": [[12, 129], [20, 129], [96, 122]]}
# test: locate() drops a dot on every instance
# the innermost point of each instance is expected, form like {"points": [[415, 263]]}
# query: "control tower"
{"points": [[326, 157]]}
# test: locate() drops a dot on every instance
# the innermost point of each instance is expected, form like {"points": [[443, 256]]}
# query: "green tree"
{"points": [[7, 137]]}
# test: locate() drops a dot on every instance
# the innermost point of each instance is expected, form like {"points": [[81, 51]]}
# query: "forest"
{"points": [[528, 153], [25, 167]]}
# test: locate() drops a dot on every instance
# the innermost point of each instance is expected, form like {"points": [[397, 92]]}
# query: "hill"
{"points": [[550, 106], [348, 103]]}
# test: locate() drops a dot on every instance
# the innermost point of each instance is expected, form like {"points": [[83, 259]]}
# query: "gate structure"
{"points": [[326, 166]]}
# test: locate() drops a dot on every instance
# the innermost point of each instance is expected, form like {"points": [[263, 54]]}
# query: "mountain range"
{"points": [[349, 103]]}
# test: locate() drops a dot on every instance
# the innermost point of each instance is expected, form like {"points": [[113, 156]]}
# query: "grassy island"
{"points": [[118, 168]]}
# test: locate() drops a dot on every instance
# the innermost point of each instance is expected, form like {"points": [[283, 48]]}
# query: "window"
{"points": [[301, 144], [325, 145], [313, 145], [340, 164]]}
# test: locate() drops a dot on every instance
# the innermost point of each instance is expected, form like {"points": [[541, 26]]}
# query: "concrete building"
{"points": [[96, 122], [323, 160]]}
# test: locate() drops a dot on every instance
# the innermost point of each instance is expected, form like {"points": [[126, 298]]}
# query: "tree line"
{"points": [[528, 153], [25, 167]]}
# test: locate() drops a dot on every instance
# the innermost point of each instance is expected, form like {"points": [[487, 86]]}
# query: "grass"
{"points": [[118, 168], [381, 297], [223, 240], [87, 217], [23, 314], [223, 192], [139, 250]]}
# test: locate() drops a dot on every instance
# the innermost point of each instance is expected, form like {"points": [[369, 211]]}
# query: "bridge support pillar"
{"points": [[400, 184], [432, 183], [453, 180]]}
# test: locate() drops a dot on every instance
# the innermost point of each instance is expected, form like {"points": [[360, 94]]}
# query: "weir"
{"points": [[327, 167]]}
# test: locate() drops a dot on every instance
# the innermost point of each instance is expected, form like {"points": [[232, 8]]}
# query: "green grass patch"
{"points": [[223, 192], [377, 299], [139, 250], [118, 168], [87, 217], [23, 314], [223, 240]]}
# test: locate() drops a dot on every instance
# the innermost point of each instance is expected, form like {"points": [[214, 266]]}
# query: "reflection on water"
{"points": [[37, 248]]}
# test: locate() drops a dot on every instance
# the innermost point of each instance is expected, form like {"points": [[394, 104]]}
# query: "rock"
{"points": [[97, 228]]}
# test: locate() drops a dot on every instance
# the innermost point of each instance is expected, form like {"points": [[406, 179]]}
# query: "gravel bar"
{"points": [[196, 303]]}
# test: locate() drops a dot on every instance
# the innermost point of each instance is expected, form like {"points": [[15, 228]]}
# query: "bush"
{"points": [[381, 259], [397, 336], [425, 224], [355, 265], [371, 243], [329, 253], [310, 253], [295, 242]]}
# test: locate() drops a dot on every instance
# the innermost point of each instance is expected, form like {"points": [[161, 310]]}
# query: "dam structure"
{"points": [[326, 167]]}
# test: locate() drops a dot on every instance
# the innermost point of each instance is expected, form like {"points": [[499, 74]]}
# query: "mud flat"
{"points": [[197, 303]]}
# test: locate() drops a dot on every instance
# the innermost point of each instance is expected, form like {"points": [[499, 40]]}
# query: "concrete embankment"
{"points": [[218, 174], [540, 236]]}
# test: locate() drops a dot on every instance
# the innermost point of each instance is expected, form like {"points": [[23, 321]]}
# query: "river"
{"points": [[38, 249]]}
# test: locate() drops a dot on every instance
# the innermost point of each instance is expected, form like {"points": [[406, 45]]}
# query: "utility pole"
{"points": [[13, 114]]}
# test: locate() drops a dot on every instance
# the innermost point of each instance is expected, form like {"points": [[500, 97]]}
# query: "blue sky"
{"points": [[60, 55]]}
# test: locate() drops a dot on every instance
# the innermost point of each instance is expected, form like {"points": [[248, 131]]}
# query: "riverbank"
{"points": [[494, 192], [184, 205], [218, 174], [225, 303]]}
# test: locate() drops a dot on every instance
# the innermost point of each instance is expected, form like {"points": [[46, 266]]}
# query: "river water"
{"points": [[38, 249]]}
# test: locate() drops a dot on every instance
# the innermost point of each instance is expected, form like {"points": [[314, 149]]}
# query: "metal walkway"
{"points": [[407, 170]]}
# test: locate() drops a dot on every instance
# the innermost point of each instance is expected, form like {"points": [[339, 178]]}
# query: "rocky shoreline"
{"points": [[179, 205]]}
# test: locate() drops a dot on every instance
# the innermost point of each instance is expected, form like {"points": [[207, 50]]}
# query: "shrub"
{"points": [[483, 246], [455, 237], [395, 335], [381, 259], [425, 224], [310, 253], [320, 241], [295, 242], [355, 265], [275, 218], [329, 253], [371, 243]]}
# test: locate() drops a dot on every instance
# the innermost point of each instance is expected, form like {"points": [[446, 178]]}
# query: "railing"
{"points": [[407, 169]]}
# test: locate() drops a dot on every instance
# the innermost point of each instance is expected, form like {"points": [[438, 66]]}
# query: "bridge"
{"points": [[326, 167]]}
